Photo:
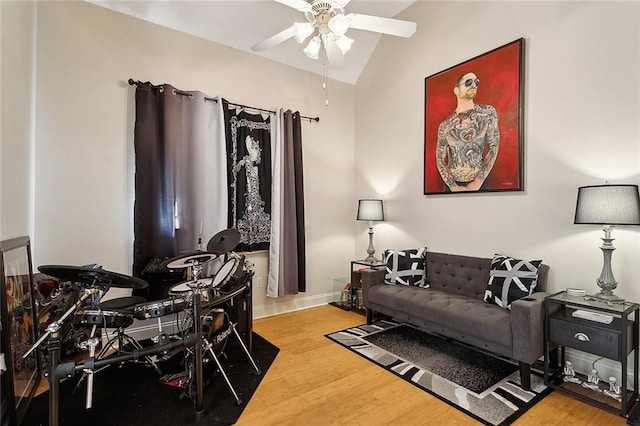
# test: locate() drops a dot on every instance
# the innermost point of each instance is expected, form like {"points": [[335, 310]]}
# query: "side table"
{"points": [[614, 341], [356, 281], [350, 296]]}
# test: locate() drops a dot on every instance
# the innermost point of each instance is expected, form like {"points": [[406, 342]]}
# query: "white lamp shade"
{"points": [[344, 43], [372, 210], [339, 24], [313, 48], [608, 205], [302, 31]]}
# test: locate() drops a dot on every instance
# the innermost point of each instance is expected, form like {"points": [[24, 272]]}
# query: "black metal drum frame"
{"points": [[98, 281]]}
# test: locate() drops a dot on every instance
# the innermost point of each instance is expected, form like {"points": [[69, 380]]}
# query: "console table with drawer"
{"points": [[615, 341]]}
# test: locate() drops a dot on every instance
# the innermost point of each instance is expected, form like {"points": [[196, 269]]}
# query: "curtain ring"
{"points": [[173, 91], [161, 89], [191, 96]]}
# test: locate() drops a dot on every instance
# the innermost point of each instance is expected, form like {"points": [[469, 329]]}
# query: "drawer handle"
{"points": [[582, 337]]}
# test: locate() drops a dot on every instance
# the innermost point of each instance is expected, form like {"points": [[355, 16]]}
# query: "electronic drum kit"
{"points": [[198, 299]]}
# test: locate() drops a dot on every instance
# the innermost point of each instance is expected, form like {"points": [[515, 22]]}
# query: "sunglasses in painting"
{"points": [[468, 82]]}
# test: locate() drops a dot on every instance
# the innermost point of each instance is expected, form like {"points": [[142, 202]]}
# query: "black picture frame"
{"points": [[18, 320], [452, 130]]}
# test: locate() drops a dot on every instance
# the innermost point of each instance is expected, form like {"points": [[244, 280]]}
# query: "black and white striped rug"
{"points": [[484, 387]]}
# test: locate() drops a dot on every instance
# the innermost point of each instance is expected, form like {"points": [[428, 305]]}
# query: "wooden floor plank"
{"points": [[315, 381]]}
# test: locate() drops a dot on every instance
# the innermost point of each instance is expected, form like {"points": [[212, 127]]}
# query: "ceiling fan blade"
{"points": [[340, 3], [334, 54], [300, 5], [378, 24], [275, 40]]}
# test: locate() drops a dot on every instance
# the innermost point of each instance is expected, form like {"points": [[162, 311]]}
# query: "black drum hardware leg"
{"points": [[209, 348], [53, 347], [220, 338], [199, 380], [246, 351]]}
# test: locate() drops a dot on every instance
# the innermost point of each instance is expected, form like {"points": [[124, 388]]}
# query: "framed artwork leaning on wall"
{"points": [[18, 319], [473, 137]]}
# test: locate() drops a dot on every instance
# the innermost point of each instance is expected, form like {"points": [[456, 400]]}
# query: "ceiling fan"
{"points": [[328, 23]]}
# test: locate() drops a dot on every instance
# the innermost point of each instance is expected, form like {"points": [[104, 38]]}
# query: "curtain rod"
{"points": [[180, 92]]}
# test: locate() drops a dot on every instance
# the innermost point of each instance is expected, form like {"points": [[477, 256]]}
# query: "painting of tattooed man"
{"points": [[473, 124]]}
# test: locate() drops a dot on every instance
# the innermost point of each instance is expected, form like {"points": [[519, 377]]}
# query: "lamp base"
{"points": [[371, 250], [607, 281], [371, 259], [607, 297]]}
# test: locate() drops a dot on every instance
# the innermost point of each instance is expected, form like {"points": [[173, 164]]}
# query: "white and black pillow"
{"points": [[510, 279], [405, 267]]}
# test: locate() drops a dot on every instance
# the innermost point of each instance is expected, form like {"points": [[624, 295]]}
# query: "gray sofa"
{"points": [[453, 307]]}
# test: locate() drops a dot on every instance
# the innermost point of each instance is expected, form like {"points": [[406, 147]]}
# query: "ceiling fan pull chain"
{"points": [[325, 87]]}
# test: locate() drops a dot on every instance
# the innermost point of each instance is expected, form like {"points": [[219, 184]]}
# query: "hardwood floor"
{"points": [[316, 381]]}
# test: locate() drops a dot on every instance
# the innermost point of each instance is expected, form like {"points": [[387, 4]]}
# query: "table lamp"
{"points": [[608, 205], [372, 211]]}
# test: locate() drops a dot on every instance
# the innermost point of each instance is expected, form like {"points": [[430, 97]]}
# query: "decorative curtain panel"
{"points": [[287, 265], [248, 142], [180, 178]]}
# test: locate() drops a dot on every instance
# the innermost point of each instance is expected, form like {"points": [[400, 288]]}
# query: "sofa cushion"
{"points": [[510, 279], [405, 267], [464, 275], [445, 313]]}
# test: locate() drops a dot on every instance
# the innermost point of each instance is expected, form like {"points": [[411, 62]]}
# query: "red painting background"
{"points": [[499, 74]]}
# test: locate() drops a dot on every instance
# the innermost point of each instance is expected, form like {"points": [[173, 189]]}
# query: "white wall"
{"points": [[582, 106], [84, 147], [17, 33]]}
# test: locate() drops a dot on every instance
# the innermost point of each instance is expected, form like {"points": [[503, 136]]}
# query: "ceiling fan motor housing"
{"points": [[321, 13]]}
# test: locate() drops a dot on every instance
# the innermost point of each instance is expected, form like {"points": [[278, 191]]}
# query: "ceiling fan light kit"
{"points": [[344, 43], [339, 24], [302, 31], [328, 21], [313, 48]]}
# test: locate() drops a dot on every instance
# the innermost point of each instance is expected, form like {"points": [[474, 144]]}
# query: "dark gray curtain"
{"points": [[172, 131], [292, 268]]}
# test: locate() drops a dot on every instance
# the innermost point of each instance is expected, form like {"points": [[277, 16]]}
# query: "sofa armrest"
{"points": [[370, 278], [527, 327]]}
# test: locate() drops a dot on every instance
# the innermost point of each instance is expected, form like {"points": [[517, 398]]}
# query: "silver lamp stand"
{"points": [[607, 281], [371, 250]]}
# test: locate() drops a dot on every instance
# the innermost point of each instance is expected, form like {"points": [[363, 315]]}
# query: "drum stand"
{"points": [[208, 346], [119, 336], [194, 262], [123, 339], [88, 372], [196, 290], [58, 371]]}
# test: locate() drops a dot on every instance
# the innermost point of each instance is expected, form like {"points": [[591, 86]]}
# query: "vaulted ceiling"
{"points": [[243, 23]]}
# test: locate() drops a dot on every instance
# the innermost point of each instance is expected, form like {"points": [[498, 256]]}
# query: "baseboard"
{"points": [[583, 363], [282, 305]]}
